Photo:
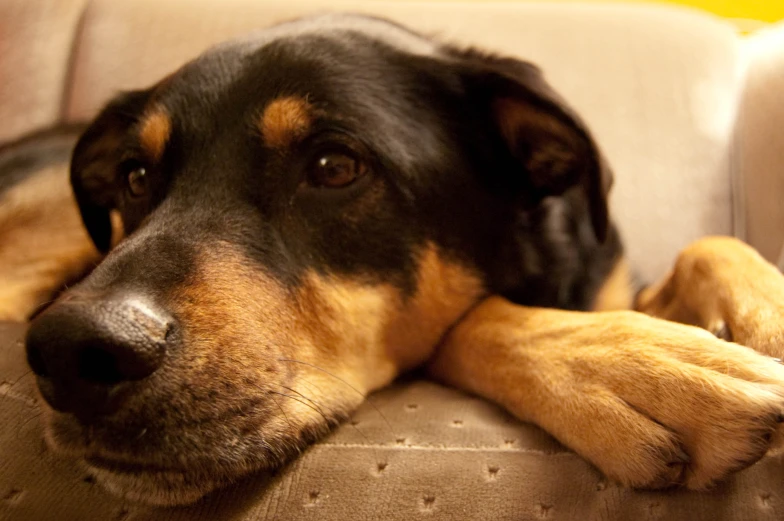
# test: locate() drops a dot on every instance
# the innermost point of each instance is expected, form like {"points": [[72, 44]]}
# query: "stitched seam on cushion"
{"points": [[444, 448]]}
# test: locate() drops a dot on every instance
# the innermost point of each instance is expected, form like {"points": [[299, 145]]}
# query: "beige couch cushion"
{"points": [[36, 40], [659, 86]]}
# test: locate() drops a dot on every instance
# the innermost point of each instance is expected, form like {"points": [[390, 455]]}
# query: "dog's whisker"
{"points": [[312, 386], [303, 402], [277, 403], [316, 407], [298, 448], [364, 396], [41, 307]]}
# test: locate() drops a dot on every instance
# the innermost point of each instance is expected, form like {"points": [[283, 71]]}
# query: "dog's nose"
{"points": [[84, 350]]}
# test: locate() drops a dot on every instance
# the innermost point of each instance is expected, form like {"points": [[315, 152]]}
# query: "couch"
{"points": [[687, 111]]}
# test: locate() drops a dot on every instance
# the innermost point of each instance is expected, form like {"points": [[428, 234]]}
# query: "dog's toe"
{"points": [[672, 473]]}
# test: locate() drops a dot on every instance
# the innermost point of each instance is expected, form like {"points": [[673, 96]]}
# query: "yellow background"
{"points": [[760, 10], [747, 14], [763, 10]]}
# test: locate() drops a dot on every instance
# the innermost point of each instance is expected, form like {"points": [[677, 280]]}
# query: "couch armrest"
{"points": [[760, 142]]}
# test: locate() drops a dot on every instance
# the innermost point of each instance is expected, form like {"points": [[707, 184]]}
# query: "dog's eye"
{"points": [[137, 180], [335, 170]]}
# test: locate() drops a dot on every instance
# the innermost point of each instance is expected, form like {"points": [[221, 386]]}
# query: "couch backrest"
{"points": [[36, 40], [659, 86]]}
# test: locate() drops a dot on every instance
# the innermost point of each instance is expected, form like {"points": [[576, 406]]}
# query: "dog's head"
{"points": [[305, 212]]}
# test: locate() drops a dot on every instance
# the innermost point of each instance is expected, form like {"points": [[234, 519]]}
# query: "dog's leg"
{"points": [[726, 287], [43, 243], [650, 402]]}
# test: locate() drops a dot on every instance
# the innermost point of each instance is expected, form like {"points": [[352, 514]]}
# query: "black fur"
{"points": [[442, 171]]}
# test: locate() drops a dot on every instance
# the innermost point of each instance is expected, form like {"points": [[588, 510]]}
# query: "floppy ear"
{"points": [[549, 141], [95, 163]]}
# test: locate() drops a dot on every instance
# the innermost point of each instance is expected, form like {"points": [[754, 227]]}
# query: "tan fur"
{"points": [[295, 353], [43, 243], [617, 291], [445, 290], [725, 286], [631, 393], [240, 326], [285, 121], [154, 133], [390, 332]]}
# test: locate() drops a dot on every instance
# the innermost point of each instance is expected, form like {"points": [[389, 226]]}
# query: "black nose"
{"points": [[85, 351]]}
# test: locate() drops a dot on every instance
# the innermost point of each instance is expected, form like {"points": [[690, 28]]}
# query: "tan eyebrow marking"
{"points": [[155, 131], [285, 121]]}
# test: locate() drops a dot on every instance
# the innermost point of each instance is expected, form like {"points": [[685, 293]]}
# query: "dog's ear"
{"points": [[547, 139], [95, 163]]}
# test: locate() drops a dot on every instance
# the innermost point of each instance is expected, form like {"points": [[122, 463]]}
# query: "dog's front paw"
{"points": [[651, 403], [726, 287], [675, 406]]}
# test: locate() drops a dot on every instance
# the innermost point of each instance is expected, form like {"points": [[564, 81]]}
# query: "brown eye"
{"points": [[137, 181], [336, 170]]}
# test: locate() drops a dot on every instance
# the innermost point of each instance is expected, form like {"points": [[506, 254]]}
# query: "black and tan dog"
{"points": [[336, 200]]}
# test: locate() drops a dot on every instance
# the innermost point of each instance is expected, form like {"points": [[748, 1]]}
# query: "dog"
{"points": [[337, 200]]}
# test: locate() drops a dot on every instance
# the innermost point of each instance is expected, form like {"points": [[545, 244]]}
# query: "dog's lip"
{"points": [[126, 467]]}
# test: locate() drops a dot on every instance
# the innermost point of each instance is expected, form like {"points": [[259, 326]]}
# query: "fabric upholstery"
{"points": [[416, 451], [36, 40], [761, 143]]}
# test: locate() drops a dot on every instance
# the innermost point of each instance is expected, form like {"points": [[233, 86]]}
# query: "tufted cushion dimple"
{"points": [[414, 451]]}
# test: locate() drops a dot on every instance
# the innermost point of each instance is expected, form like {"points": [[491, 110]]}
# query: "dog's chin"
{"points": [[158, 481], [149, 483], [153, 486]]}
